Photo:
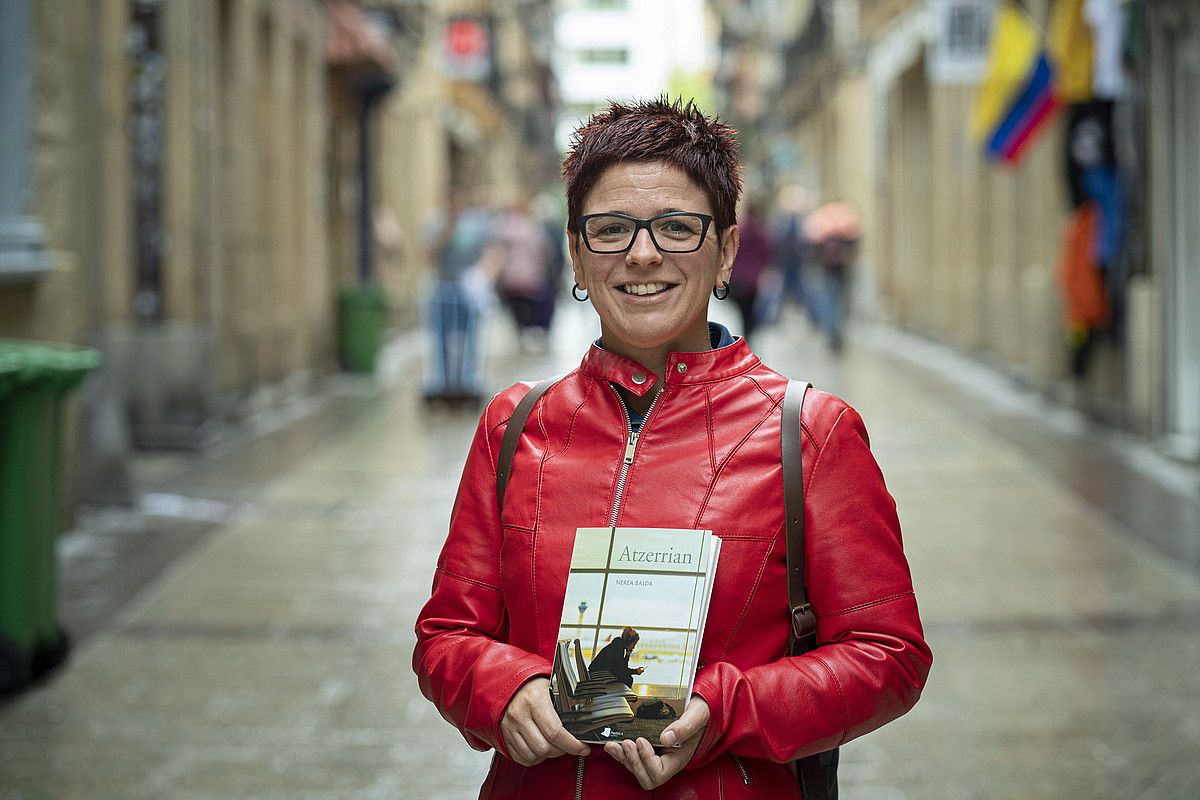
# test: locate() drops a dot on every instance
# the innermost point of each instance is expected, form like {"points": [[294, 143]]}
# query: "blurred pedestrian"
{"points": [[458, 251], [832, 231], [523, 272], [793, 203], [755, 255], [548, 210]]}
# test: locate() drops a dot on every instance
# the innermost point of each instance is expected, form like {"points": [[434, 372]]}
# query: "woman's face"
{"points": [[674, 314]]}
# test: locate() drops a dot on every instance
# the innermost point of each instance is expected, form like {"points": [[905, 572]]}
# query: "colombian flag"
{"points": [[1017, 96]]}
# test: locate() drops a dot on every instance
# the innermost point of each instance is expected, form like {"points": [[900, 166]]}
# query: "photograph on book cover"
{"points": [[632, 622]]}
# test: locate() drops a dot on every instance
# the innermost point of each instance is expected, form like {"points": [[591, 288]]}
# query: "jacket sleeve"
{"points": [[462, 660], [872, 660]]}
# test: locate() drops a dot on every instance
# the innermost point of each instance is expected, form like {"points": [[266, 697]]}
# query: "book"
{"points": [[630, 631]]}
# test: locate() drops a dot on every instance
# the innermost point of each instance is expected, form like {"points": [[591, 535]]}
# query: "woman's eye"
{"points": [[612, 229], [674, 227]]}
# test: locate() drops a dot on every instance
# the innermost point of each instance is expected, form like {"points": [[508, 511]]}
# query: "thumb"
{"points": [[693, 720]]}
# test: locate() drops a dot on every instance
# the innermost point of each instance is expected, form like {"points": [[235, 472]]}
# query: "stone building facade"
{"points": [[188, 186], [873, 101]]}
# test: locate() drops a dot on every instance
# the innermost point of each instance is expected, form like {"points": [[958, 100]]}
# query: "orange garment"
{"points": [[1085, 303]]}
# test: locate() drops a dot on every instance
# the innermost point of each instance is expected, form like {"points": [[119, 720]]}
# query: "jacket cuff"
{"points": [[710, 692], [525, 670]]}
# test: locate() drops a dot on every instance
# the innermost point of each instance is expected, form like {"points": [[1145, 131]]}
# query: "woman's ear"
{"points": [[728, 254], [573, 245]]}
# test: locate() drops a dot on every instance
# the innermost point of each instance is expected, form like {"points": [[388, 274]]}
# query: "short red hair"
{"points": [[656, 130]]}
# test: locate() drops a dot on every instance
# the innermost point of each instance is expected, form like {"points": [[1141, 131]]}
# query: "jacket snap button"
{"points": [[639, 378], [681, 368]]}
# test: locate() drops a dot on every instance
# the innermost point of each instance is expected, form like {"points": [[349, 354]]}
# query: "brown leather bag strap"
{"points": [[512, 434], [804, 622], [814, 771]]}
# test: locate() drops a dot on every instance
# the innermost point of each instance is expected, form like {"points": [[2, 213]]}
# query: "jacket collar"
{"points": [[682, 368]]}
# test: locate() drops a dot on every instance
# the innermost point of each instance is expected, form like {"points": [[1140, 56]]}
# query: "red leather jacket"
{"points": [[707, 457]]}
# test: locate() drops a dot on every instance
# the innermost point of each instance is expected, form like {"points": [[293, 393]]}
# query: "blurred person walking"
{"points": [[459, 252], [547, 209], [523, 276], [793, 203], [832, 231], [755, 255]]}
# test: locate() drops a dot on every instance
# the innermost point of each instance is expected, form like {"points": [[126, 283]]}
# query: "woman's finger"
{"points": [[518, 749], [656, 770], [616, 752], [634, 762], [537, 743], [551, 729], [691, 722]]}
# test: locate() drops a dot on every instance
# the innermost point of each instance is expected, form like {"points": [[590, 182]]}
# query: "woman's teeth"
{"points": [[644, 288]]}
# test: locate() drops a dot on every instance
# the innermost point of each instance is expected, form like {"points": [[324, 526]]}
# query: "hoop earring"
{"points": [[575, 290], [721, 292]]}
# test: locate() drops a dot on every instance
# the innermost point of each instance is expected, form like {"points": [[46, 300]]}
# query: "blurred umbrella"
{"points": [[832, 221]]}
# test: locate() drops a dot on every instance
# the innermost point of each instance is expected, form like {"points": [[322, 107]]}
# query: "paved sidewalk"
{"points": [[269, 658]]}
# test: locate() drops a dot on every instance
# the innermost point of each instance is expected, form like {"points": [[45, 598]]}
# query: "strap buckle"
{"points": [[804, 621]]}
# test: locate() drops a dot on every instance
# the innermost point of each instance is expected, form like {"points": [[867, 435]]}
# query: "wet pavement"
{"points": [[247, 630]]}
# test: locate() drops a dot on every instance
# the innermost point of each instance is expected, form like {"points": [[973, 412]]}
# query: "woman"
{"points": [[669, 422], [614, 657]]}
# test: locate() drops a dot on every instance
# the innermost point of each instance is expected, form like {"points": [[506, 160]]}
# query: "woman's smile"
{"points": [[647, 290]]}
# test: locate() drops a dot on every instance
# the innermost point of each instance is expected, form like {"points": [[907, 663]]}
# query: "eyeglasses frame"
{"points": [[581, 223]]}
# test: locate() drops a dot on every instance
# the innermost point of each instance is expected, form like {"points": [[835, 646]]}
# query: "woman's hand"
{"points": [[532, 730], [653, 770]]}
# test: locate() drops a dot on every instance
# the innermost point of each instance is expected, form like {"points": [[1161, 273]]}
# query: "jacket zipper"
{"points": [[626, 463], [630, 447], [741, 768]]}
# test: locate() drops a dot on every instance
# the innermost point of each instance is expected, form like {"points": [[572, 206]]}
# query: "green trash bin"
{"points": [[34, 380], [362, 313]]}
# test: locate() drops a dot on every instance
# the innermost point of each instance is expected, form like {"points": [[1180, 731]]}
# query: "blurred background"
{"points": [[261, 261]]}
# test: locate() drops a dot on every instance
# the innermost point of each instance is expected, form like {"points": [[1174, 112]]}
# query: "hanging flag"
{"points": [[1070, 41], [1033, 107], [1017, 95]]}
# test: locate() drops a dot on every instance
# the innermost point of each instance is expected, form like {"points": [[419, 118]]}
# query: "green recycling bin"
{"points": [[34, 381], [362, 315]]}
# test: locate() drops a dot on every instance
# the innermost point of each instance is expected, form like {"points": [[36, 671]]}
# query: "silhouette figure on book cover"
{"points": [[614, 658]]}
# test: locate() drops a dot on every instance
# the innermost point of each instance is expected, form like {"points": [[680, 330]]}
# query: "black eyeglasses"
{"points": [[676, 232]]}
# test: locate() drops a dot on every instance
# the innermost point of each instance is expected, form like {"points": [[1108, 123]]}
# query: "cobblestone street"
{"points": [[261, 645]]}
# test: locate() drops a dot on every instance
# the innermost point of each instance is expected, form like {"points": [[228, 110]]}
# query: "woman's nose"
{"points": [[643, 251]]}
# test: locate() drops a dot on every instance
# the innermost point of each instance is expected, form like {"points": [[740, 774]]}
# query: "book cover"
{"points": [[630, 632]]}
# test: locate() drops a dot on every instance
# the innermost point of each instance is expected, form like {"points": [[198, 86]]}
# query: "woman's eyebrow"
{"points": [[658, 213]]}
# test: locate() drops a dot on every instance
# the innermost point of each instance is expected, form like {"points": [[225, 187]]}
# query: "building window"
{"points": [[959, 48], [22, 241], [604, 56], [966, 31], [147, 66]]}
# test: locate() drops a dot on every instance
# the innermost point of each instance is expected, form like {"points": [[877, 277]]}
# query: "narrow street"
{"points": [[267, 655]]}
